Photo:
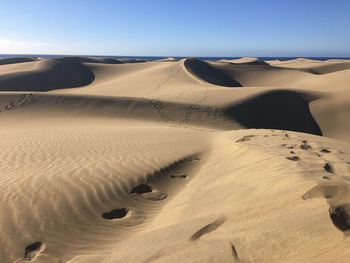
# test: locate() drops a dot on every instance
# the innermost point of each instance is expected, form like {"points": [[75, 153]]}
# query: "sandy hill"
{"points": [[107, 160]]}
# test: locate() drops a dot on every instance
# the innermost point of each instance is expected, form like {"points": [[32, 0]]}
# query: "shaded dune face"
{"points": [[273, 110], [6, 61], [204, 71], [326, 69], [90, 60], [284, 110], [49, 75], [116, 107]]}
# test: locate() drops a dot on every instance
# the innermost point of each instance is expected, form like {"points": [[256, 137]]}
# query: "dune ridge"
{"points": [[47, 75], [204, 71], [113, 160], [6, 61]]}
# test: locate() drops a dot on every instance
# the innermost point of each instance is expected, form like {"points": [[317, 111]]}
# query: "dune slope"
{"points": [[47, 75], [106, 160]]}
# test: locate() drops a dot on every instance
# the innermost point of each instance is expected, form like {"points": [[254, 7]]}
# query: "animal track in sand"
{"points": [[188, 113], [115, 214], [157, 105], [16, 103], [33, 249]]}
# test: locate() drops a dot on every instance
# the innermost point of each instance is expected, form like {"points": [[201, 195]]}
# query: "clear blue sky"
{"points": [[176, 27]]}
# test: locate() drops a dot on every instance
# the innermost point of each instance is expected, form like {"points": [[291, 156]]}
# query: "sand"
{"points": [[106, 160]]}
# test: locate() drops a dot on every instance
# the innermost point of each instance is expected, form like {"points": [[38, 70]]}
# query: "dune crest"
{"points": [[47, 75], [204, 71]]}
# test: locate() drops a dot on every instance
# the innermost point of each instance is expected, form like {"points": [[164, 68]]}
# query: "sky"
{"points": [[176, 27]]}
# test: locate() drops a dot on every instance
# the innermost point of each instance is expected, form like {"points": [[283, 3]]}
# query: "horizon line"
{"points": [[166, 56]]}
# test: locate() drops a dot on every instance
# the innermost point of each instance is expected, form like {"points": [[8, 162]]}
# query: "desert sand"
{"points": [[106, 160]]}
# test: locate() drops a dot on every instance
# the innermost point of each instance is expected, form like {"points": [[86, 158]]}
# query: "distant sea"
{"points": [[156, 57]]}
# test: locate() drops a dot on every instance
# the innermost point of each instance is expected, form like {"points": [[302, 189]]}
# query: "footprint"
{"points": [[305, 145], [340, 216], [234, 252], [156, 196], [287, 146], [337, 191], [140, 189], [175, 176], [328, 168], [33, 249], [245, 138], [208, 228], [193, 159], [116, 213], [326, 191], [293, 158]]}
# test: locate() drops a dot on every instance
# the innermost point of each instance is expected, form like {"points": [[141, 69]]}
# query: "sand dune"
{"points": [[204, 71], [106, 160], [47, 75], [245, 61], [297, 63], [130, 60], [314, 66], [91, 60], [329, 68], [328, 77], [6, 61], [169, 59], [280, 109]]}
